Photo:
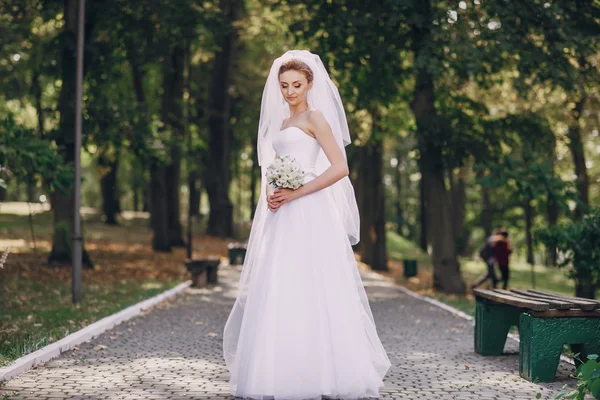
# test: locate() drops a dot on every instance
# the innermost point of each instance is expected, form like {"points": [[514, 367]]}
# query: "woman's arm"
{"points": [[339, 166], [337, 170], [267, 185], [267, 194]]}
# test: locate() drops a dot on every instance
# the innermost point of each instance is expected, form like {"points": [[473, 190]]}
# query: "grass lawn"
{"points": [[35, 300], [546, 278]]}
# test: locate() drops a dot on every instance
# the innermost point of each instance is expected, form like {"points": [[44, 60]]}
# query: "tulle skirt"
{"points": [[305, 329]]}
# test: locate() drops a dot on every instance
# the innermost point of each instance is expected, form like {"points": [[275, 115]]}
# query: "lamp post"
{"points": [[77, 252]]}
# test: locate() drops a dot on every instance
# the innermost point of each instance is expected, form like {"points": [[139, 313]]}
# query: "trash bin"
{"points": [[410, 268]]}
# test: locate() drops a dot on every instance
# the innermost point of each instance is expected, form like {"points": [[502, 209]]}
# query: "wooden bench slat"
{"points": [[566, 313], [568, 298], [579, 303], [559, 304], [512, 300], [554, 304]]}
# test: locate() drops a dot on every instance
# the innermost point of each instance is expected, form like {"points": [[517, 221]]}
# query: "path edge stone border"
{"points": [[91, 331], [453, 310]]}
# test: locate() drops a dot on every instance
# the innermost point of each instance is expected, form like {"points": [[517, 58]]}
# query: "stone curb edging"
{"points": [[91, 331], [457, 312]]}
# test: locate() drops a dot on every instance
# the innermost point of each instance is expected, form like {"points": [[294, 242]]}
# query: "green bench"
{"points": [[546, 321]]}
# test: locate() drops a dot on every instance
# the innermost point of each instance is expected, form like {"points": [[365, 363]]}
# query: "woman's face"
{"points": [[294, 87]]}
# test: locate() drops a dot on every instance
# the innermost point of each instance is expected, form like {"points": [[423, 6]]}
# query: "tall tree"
{"points": [[430, 128], [63, 201], [217, 179], [108, 185], [370, 198], [555, 43], [172, 115]]}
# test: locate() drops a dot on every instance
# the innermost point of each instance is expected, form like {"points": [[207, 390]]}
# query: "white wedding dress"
{"points": [[306, 330]]}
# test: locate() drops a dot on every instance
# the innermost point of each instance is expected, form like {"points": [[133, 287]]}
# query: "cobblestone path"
{"points": [[173, 351]]}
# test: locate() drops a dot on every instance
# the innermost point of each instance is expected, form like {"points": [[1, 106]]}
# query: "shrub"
{"points": [[578, 243]]}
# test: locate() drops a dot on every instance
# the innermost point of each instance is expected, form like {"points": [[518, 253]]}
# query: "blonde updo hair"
{"points": [[294, 64]]}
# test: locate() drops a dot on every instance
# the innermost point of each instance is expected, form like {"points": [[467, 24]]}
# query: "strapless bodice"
{"points": [[294, 142]]}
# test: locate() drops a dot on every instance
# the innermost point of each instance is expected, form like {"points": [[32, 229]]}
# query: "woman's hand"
{"points": [[280, 197]]}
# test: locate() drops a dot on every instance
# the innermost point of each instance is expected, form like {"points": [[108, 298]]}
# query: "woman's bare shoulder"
{"points": [[284, 122]]}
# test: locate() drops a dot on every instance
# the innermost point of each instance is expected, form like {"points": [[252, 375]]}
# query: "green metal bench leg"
{"points": [[492, 323], [542, 340], [539, 349]]}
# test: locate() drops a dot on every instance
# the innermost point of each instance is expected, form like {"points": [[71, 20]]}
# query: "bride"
{"points": [[301, 326]]}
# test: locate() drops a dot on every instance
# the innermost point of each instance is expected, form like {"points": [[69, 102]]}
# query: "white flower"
{"points": [[285, 172]]}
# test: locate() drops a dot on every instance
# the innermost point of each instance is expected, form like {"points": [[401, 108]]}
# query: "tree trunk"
{"points": [[446, 273], [217, 181], [108, 184], [194, 193], [371, 201], [157, 189], [552, 213], [398, 202], [585, 288], [63, 202], [528, 211], [459, 209], [446, 269], [172, 115], [146, 197], [30, 191], [37, 94], [578, 153], [424, 232], [552, 216], [136, 198], [158, 208], [487, 214], [173, 183]]}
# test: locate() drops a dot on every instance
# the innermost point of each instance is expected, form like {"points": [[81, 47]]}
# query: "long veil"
{"points": [[324, 96]]}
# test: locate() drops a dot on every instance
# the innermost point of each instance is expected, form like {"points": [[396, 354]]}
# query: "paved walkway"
{"points": [[174, 352]]}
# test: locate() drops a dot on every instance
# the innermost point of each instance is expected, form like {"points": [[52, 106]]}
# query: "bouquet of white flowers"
{"points": [[285, 172]]}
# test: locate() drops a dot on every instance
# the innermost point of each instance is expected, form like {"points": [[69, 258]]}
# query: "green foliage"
{"points": [[506, 77], [522, 167], [525, 182], [31, 159], [550, 42], [588, 380], [578, 241], [365, 44]]}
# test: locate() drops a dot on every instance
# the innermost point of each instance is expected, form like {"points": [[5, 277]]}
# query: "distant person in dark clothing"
{"points": [[487, 254], [502, 250]]}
